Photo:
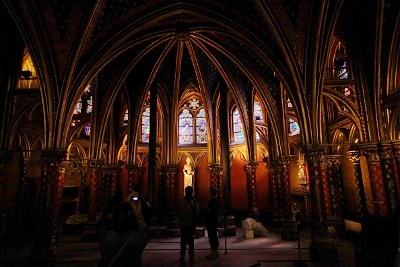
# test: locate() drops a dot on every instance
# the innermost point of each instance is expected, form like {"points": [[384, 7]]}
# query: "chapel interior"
{"points": [[290, 108]]}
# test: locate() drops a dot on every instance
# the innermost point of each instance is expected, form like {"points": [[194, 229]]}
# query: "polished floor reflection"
{"points": [[164, 251]]}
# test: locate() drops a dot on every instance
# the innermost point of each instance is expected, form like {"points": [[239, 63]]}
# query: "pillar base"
{"points": [[323, 248], [289, 229], [275, 218], [170, 219], [89, 233]]}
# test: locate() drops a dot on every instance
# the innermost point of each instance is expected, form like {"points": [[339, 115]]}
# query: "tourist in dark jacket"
{"points": [[123, 242], [188, 211]]}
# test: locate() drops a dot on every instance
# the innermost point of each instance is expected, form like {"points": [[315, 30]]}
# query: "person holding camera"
{"points": [[147, 210], [122, 243], [188, 211]]}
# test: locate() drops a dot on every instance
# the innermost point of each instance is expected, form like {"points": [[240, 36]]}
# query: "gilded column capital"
{"points": [[354, 155], [62, 167], [370, 151], [385, 150], [73, 167], [313, 154], [112, 168], [215, 169], [251, 167], [333, 160], [95, 163], [396, 149], [53, 156], [172, 168], [284, 161]]}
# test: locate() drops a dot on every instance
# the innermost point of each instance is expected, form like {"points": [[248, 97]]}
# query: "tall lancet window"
{"points": [[185, 127], [258, 115], [238, 132], [87, 129], [294, 128], [126, 117], [84, 105], [192, 124], [146, 125], [201, 127]]}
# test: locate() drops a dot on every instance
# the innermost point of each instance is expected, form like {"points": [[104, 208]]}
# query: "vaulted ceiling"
{"points": [[134, 44]]}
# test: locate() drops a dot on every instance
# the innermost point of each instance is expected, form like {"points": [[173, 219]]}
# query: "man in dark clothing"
{"points": [[212, 221], [188, 211], [147, 211]]}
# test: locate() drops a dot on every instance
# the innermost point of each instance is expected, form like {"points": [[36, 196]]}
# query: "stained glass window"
{"points": [[237, 126], [294, 128], [194, 103], [258, 112], [146, 125], [126, 117], [185, 127], [343, 74], [89, 105], [85, 103], [201, 127], [289, 103], [347, 91], [87, 129], [78, 107], [88, 98]]}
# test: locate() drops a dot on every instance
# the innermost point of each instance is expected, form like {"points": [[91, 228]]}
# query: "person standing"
{"points": [[147, 210], [188, 211], [123, 242], [211, 221]]}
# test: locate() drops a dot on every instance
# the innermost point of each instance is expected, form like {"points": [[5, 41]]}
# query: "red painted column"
{"points": [[389, 180], [94, 168], [325, 186], [379, 203], [313, 155], [251, 168], [396, 154], [171, 215], [286, 204], [272, 166], [217, 181], [49, 204], [114, 179], [289, 224], [334, 186], [131, 177], [354, 156]]}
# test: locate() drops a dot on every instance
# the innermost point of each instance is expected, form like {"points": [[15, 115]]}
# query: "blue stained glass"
{"points": [[87, 129], [294, 128], [78, 107]]}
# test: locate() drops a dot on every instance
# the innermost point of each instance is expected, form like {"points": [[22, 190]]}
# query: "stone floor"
{"points": [[164, 252]]}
